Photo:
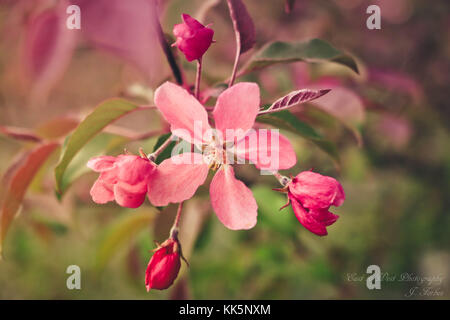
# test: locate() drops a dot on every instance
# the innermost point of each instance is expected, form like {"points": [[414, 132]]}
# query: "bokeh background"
{"points": [[390, 124]]}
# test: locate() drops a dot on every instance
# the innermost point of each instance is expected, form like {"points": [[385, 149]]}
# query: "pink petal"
{"points": [[196, 46], [184, 113], [324, 216], [102, 163], [339, 197], [176, 179], [133, 169], [267, 149], [316, 191], [306, 219], [130, 196], [236, 109], [191, 22], [232, 201], [101, 192]]}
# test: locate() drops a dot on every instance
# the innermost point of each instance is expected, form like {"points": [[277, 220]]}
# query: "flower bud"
{"points": [[123, 178], [311, 195], [193, 38], [163, 268]]}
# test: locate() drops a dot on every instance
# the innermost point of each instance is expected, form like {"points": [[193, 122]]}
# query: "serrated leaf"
{"points": [[104, 114], [295, 98], [23, 173], [242, 24], [121, 232], [315, 50], [286, 120]]}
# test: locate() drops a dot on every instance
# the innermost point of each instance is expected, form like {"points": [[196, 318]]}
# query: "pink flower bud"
{"points": [[311, 195], [193, 38], [162, 270], [123, 178]]}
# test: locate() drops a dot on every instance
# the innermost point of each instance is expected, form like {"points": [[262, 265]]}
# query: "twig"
{"points": [[167, 50], [161, 148]]}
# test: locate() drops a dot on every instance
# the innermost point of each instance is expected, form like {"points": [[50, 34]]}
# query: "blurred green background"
{"points": [[397, 181]]}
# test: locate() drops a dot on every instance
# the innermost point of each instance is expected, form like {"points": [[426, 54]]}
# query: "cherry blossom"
{"points": [[234, 115], [124, 178]]}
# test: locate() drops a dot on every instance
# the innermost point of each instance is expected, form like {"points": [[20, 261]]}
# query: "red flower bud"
{"points": [[162, 270], [193, 38], [311, 195]]}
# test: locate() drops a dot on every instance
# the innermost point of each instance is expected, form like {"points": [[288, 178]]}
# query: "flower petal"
{"points": [[101, 192], [130, 196], [184, 113], [306, 219], [267, 149], [101, 163], [133, 169], [236, 109], [316, 191], [232, 201], [324, 216], [176, 179]]}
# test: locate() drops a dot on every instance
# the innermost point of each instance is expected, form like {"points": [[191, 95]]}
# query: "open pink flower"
{"points": [[234, 115], [193, 38], [123, 178], [311, 195]]}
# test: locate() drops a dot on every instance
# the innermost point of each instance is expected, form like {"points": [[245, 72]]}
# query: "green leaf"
{"points": [[104, 114], [121, 232], [167, 151], [286, 120], [270, 216], [100, 144], [20, 177], [315, 50]]}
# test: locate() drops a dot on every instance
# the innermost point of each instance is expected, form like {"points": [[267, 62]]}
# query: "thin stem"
{"points": [[166, 48], [282, 179], [236, 62], [177, 218], [161, 148], [197, 78], [176, 222]]}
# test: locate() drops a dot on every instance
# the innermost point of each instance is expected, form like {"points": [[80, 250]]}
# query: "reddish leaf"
{"points": [[243, 25], [47, 49], [289, 5], [57, 127], [124, 30], [19, 182], [19, 133], [294, 98]]}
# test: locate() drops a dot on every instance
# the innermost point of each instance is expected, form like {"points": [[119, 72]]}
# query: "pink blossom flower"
{"points": [[179, 177], [193, 38], [163, 267], [123, 179], [311, 195]]}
